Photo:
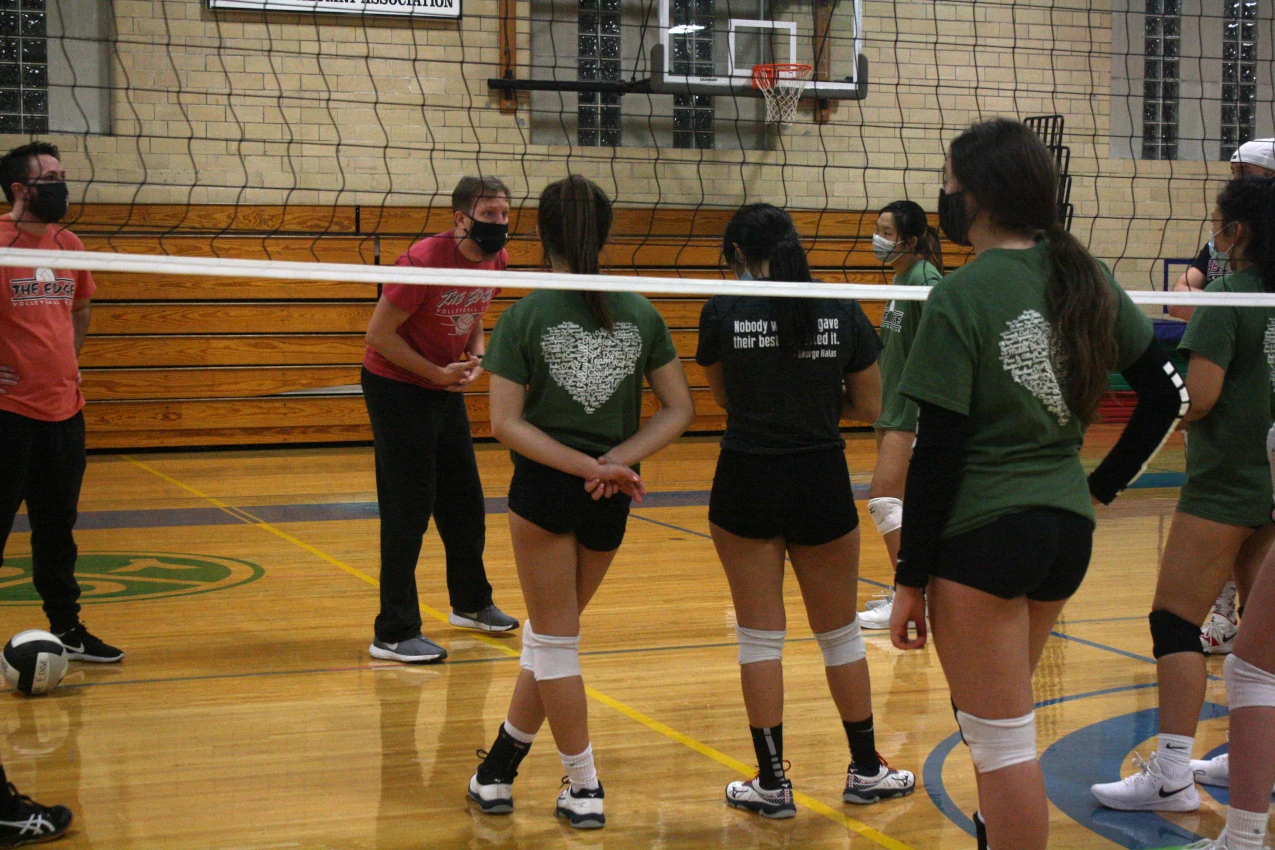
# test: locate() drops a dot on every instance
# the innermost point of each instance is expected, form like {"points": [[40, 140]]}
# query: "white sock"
{"points": [[1175, 756], [1245, 830], [519, 735], [580, 771]]}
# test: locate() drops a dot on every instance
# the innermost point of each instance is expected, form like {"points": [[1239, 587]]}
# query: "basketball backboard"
{"points": [[711, 46]]}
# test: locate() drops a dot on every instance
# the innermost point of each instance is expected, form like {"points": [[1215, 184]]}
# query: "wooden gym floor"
{"points": [[248, 714]]}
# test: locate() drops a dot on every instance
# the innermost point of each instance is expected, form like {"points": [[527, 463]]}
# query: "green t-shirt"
{"points": [[1228, 477], [983, 350], [584, 385], [898, 329]]}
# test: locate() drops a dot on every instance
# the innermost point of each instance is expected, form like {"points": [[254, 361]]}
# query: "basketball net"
{"points": [[782, 86]]}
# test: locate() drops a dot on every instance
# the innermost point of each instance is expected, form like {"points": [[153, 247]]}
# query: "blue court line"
{"points": [[1078, 760], [1123, 652], [337, 511]]}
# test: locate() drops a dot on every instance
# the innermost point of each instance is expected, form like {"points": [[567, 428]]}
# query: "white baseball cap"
{"points": [[1259, 152]]}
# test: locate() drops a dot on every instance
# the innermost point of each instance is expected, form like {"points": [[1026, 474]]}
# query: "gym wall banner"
{"points": [[409, 8]]}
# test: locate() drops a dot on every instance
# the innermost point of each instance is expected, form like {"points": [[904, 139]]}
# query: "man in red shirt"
{"points": [[424, 346], [44, 315]]}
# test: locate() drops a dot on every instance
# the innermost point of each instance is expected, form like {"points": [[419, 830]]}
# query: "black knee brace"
{"points": [[1171, 634]]}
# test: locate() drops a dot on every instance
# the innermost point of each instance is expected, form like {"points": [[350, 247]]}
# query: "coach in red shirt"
{"points": [[424, 346], [44, 316]]}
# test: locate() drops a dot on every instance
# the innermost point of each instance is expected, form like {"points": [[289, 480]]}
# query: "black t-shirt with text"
{"points": [[782, 403]]}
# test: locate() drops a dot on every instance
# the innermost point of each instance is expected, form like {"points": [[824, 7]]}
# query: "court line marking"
{"points": [[624, 709]]}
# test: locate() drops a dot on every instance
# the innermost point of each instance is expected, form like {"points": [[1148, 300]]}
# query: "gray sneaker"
{"points": [[417, 650], [490, 619]]}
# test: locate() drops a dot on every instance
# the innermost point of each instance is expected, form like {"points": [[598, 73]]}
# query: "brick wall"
{"points": [[241, 107]]}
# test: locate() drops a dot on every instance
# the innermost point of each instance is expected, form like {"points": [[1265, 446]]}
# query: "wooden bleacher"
{"points": [[177, 360]]}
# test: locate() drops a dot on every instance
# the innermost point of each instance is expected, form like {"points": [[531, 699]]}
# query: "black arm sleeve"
{"points": [[1162, 401], [938, 462]]}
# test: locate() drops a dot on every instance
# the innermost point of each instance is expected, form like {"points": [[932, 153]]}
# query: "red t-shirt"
{"points": [[442, 317], [37, 339]]}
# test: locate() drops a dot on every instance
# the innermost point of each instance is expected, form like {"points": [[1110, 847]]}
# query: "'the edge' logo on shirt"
{"points": [[45, 287]]}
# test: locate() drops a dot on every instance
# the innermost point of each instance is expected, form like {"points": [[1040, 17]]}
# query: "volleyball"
{"points": [[34, 662]]}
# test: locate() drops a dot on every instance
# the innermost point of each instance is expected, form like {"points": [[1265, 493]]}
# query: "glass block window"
{"points": [[1239, 74], [24, 67], [691, 32], [1161, 79], [598, 49]]}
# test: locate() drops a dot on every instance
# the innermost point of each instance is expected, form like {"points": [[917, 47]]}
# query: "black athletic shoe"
{"points": [[24, 821], [83, 646]]}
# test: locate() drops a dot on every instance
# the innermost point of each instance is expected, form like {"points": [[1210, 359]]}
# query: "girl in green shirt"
{"points": [[905, 240], [566, 397], [1007, 368], [1223, 520]]}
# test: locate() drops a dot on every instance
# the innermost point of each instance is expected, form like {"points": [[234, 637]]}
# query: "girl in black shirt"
{"points": [[787, 370]]}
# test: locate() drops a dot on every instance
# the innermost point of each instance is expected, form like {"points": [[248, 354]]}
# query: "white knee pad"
{"points": [[756, 645], [1248, 685], [556, 657], [527, 660], [843, 645], [887, 513], [997, 744]]}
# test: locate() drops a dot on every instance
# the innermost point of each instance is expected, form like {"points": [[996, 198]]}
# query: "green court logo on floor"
{"points": [[126, 576]]}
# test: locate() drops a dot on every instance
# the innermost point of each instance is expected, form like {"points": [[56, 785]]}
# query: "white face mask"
{"points": [[883, 249]]}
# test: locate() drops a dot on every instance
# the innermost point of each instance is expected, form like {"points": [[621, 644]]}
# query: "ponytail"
{"points": [[1082, 311], [574, 222], [795, 316], [1011, 174], [765, 232], [911, 222]]}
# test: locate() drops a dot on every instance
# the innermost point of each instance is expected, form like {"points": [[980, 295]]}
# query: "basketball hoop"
{"points": [[782, 86]]}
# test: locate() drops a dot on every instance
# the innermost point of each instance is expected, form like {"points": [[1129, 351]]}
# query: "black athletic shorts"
{"points": [[804, 498], [557, 502], [1042, 553]]}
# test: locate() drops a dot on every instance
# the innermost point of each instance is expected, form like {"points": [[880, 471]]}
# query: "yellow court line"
{"points": [[610, 702]]}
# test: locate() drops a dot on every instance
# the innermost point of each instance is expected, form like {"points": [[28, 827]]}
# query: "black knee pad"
{"points": [[1171, 634]]}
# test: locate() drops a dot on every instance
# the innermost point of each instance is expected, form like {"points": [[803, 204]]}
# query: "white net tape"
{"points": [[782, 86], [99, 261]]}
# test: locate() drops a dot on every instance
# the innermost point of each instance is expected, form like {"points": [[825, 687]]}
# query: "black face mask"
{"points": [[953, 218], [489, 237], [49, 203]]}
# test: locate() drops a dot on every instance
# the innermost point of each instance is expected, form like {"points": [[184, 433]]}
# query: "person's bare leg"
{"points": [[526, 711], [829, 579], [984, 643], [755, 572], [547, 571], [1249, 561], [1198, 559], [889, 476], [1252, 762]]}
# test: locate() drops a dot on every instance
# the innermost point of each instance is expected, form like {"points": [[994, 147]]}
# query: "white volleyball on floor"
{"points": [[34, 661]]}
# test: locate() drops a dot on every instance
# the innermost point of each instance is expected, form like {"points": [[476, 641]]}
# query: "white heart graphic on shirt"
{"points": [[591, 365], [1027, 348]]}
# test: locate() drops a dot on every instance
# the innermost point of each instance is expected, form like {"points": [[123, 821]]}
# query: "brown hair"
{"points": [[911, 222], [1009, 172], [471, 189], [1251, 201], [574, 223]]}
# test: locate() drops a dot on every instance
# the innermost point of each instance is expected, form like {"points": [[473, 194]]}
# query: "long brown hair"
{"points": [[1009, 172], [575, 221]]}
